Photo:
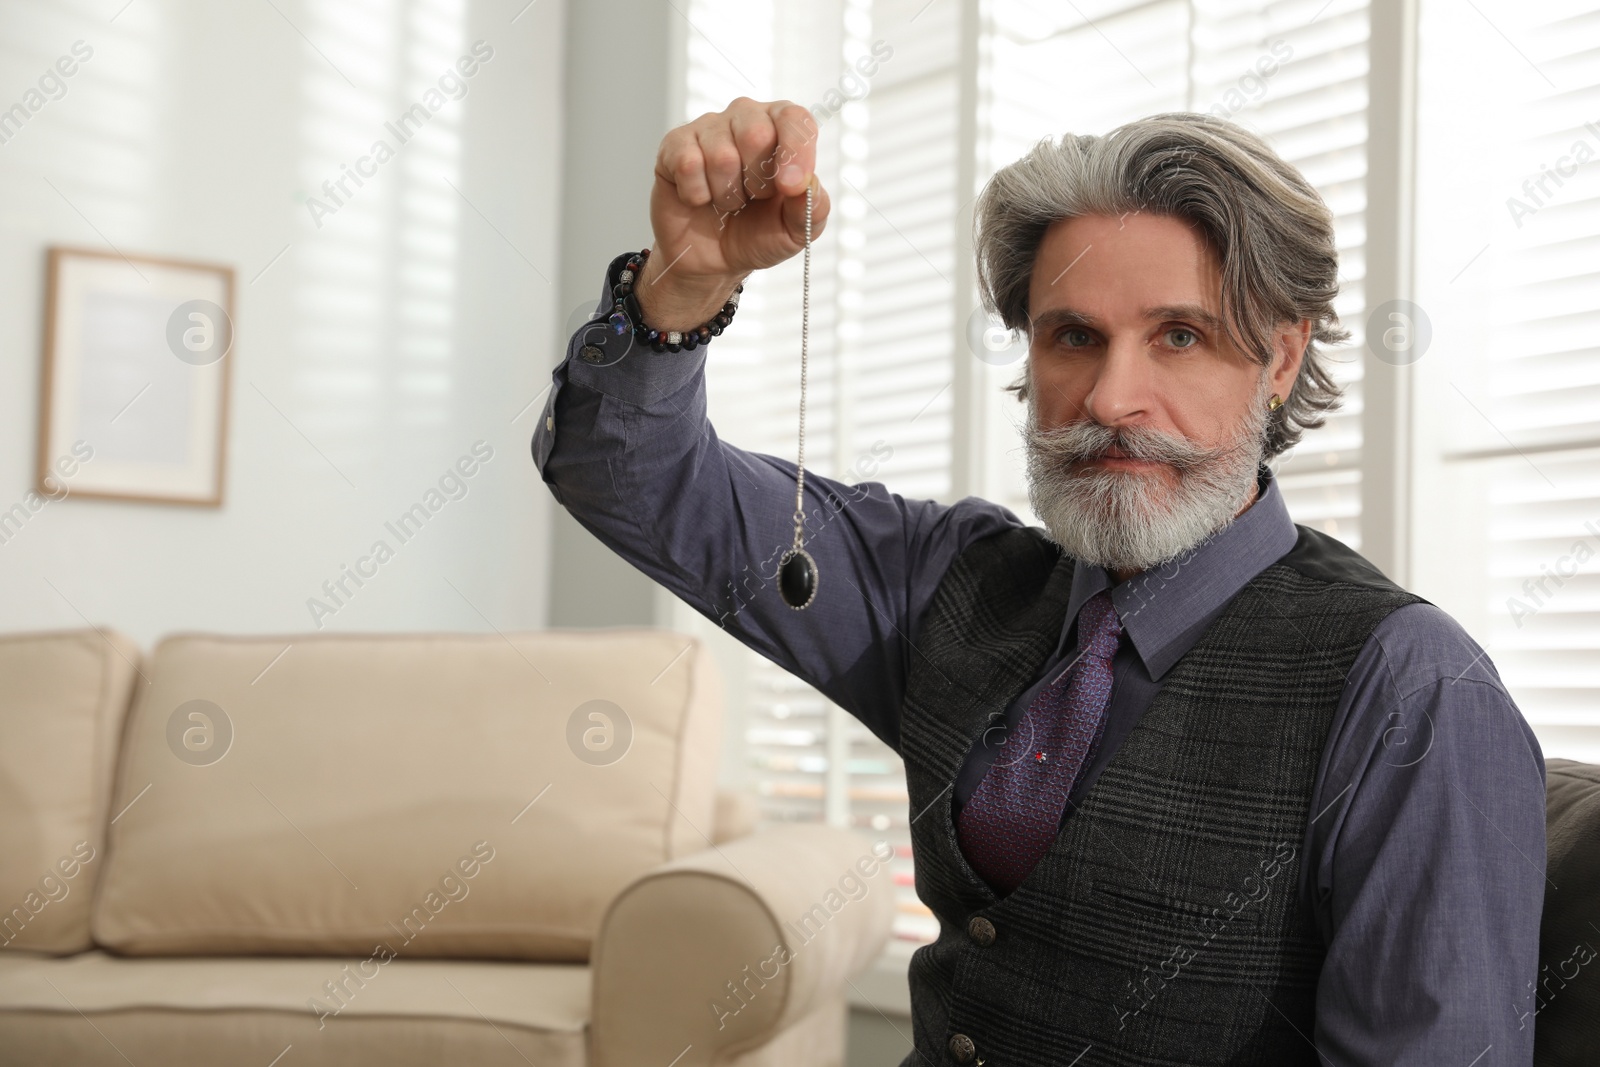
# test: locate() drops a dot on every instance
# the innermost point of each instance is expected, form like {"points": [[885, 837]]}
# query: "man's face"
{"points": [[1146, 423]]}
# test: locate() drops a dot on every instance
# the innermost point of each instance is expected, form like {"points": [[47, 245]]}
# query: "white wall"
{"points": [[369, 356], [623, 87]]}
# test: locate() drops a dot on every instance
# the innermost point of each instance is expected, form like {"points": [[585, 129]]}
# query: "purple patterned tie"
{"points": [[1015, 813]]}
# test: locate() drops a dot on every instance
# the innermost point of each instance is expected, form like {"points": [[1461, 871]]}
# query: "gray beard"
{"points": [[1132, 521]]}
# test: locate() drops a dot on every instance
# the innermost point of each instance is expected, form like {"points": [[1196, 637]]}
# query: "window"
{"points": [[1508, 393], [956, 89], [878, 394]]}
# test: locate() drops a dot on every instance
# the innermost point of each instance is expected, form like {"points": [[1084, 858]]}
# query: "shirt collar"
{"points": [[1165, 609]]}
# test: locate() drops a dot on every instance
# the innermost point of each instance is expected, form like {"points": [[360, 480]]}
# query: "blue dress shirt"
{"points": [[1424, 862]]}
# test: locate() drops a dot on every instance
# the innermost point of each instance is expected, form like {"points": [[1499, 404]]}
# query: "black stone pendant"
{"points": [[797, 578]]}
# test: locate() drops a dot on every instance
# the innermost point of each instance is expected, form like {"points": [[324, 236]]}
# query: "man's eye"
{"points": [[1182, 338], [1072, 334]]}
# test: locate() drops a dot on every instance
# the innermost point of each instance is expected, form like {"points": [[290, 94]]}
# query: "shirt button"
{"points": [[962, 1048], [981, 931], [592, 354], [550, 423]]}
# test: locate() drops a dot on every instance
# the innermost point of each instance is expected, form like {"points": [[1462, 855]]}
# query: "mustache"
{"points": [[1087, 439]]}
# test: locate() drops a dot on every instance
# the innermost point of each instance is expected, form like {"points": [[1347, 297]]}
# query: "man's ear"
{"points": [[1289, 349]]}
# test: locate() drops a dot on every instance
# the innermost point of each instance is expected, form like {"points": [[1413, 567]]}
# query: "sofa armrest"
{"points": [[720, 952]]}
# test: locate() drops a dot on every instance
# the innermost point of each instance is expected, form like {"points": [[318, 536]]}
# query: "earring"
{"points": [[1274, 403]]}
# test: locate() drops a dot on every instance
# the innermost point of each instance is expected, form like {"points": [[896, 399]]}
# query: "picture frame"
{"points": [[134, 385]]}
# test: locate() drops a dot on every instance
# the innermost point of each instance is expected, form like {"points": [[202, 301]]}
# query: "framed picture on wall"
{"points": [[134, 390]]}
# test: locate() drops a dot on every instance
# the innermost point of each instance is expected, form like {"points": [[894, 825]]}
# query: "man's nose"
{"points": [[1121, 391]]}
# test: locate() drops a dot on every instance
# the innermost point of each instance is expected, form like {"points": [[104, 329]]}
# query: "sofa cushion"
{"points": [[1566, 1004], [94, 1009], [61, 710], [433, 795]]}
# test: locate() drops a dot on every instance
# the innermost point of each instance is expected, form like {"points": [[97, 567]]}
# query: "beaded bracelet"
{"points": [[626, 314]]}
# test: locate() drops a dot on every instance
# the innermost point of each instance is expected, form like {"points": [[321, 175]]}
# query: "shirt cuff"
{"points": [[621, 366]]}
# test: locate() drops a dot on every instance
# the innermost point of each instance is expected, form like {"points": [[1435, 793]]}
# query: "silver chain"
{"points": [[805, 332]]}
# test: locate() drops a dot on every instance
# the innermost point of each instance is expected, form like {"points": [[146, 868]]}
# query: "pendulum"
{"points": [[797, 571]]}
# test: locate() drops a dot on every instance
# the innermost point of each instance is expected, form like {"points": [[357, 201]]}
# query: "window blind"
{"points": [[1509, 392], [878, 396]]}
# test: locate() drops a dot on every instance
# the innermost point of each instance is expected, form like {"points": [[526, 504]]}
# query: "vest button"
{"points": [[962, 1048], [981, 931]]}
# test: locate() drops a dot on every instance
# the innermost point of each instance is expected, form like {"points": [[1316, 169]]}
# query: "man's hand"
{"points": [[729, 199]]}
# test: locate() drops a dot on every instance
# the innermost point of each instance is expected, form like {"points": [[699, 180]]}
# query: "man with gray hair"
{"points": [[1190, 784]]}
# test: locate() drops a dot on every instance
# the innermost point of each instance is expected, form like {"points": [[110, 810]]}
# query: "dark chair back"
{"points": [[1566, 1000]]}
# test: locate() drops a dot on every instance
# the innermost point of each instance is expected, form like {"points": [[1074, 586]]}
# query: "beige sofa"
{"points": [[405, 849]]}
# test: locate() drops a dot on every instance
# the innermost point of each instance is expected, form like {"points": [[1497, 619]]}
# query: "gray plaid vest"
{"points": [[1163, 926]]}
